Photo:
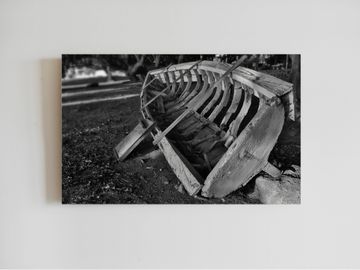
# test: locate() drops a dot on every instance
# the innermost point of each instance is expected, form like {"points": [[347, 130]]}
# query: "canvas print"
{"points": [[181, 129]]}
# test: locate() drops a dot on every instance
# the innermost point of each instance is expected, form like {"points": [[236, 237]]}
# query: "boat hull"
{"points": [[215, 129]]}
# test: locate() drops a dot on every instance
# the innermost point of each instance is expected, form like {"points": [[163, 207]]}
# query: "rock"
{"points": [[283, 191], [164, 180], [294, 171], [180, 188]]}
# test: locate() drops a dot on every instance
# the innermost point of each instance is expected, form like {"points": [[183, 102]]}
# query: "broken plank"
{"points": [[188, 176], [133, 139]]}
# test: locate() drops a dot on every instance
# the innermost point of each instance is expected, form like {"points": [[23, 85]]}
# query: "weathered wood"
{"points": [[133, 139], [156, 97], [265, 84], [201, 98], [195, 90], [173, 83], [238, 92], [223, 102], [207, 122], [215, 98], [248, 155], [173, 104], [193, 93], [196, 104], [149, 83], [168, 85], [188, 176], [188, 84], [272, 170], [235, 125], [161, 135], [155, 93], [180, 89]]}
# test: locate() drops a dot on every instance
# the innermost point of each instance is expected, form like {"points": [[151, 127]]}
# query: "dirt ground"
{"points": [[92, 174]]}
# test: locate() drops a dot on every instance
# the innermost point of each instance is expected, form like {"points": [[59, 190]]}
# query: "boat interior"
{"points": [[217, 114]]}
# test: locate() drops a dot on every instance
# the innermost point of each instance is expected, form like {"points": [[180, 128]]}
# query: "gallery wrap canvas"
{"points": [[181, 129]]}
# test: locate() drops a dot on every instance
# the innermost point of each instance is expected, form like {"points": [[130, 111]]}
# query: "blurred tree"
{"points": [[295, 79]]}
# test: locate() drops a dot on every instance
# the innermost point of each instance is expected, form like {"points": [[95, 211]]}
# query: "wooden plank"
{"points": [[161, 135], [187, 122], [160, 77], [197, 123], [133, 139], [194, 128], [188, 176], [206, 94], [154, 98], [272, 170], [189, 82], [223, 102], [204, 85], [215, 98], [248, 155], [200, 139], [174, 104], [234, 104], [180, 88], [197, 86], [254, 78], [173, 83], [235, 125], [155, 93], [147, 84], [211, 77]]}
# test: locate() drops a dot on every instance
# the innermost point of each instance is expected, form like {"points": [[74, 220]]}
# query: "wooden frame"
{"points": [[222, 122]]}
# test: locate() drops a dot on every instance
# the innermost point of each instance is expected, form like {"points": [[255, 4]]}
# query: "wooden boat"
{"points": [[216, 123]]}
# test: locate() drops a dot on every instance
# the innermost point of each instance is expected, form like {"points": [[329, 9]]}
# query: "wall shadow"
{"points": [[51, 119]]}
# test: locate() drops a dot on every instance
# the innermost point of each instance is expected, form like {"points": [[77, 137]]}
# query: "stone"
{"points": [[164, 180], [180, 188], [294, 171], [284, 191]]}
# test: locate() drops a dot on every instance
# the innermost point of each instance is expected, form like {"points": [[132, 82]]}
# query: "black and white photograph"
{"points": [[181, 129], [187, 134]]}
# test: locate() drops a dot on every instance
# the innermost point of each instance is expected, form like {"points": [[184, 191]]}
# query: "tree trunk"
{"points": [[295, 79], [157, 60]]}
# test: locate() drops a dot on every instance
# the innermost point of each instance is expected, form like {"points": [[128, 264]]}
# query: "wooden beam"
{"points": [[272, 170], [224, 100], [215, 98], [188, 176], [238, 92], [133, 139], [235, 125]]}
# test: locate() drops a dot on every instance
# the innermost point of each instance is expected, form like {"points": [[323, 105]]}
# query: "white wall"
{"points": [[37, 231]]}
